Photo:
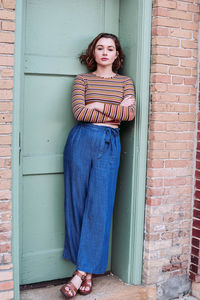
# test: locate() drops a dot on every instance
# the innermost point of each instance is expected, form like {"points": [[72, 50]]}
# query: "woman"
{"points": [[101, 99]]}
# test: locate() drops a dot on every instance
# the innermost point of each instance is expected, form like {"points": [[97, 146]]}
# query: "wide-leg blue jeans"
{"points": [[91, 162]]}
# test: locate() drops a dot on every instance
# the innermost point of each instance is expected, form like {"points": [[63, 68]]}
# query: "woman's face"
{"points": [[105, 52]]}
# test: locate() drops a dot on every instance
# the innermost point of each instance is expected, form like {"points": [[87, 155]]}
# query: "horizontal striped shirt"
{"points": [[111, 91]]}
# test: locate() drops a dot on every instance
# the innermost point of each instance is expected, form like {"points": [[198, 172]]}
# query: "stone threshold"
{"points": [[107, 287]]}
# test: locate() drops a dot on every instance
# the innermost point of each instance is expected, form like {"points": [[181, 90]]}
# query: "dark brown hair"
{"points": [[88, 57]]}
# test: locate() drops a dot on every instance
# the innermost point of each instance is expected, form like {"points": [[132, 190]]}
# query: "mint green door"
{"points": [[55, 33]]}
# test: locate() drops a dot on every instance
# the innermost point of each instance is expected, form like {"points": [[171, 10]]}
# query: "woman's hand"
{"points": [[96, 105], [128, 101]]}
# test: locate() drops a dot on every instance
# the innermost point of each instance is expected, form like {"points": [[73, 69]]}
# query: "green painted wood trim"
{"points": [[15, 144], [140, 145], [111, 8]]}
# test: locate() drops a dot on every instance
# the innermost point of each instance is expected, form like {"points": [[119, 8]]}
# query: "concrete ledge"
{"points": [[196, 289], [105, 288]]}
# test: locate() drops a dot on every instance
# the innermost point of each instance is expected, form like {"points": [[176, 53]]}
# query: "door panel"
{"points": [[55, 34]]}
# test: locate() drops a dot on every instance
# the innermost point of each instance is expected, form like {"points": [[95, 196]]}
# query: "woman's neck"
{"points": [[104, 72]]}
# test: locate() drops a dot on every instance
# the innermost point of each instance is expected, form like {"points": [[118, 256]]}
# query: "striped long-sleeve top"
{"points": [[90, 88]]}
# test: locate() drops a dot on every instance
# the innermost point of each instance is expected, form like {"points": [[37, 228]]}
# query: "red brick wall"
{"points": [[7, 37], [171, 141], [195, 247]]}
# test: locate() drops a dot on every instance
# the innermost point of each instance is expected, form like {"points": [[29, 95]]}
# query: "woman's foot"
{"points": [[69, 290], [86, 286]]}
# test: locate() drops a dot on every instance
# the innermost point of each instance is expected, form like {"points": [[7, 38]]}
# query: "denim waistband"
{"points": [[114, 131]]}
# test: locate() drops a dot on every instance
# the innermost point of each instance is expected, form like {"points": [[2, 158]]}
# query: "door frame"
{"points": [[140, 143]]}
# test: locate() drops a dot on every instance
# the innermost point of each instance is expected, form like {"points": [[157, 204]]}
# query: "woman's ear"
{"points": [[117, 54]]}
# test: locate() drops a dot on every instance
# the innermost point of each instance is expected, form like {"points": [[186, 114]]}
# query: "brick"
{"points": [[165, 117], [171, 267], [5, 174], [5, 227], [175, 181], [165, 3], [177, 80], [159, 31], [5, 129], [5, 195], [182, 6], [7, 72], [6, 267], [5, 237], [196, 232], [159, 21], [7, 14], [7, 37], [6, 48], [192, 63], [6, 84], [153, 201], [196, 213], [156, 68], [180, 33], [178, 89], [187, 117], [196, 242], [10, 4], [159, 50], [5, 217], [160, 11], [5, 151], [193, 8], [152, 182], [195, 251], [5, 140], [180, 71], [8, 26], [161, 78], [164, 41], [189, 81], [189, 25], [7, 285], [7, 295], [159, 87], [7, 258], [4, 206], [165, 98], [6, 61], [187, 99], [180, 52], [4, 248], [188, 44], [196, 223], [5, 117], [7, 275], [180, 15]]}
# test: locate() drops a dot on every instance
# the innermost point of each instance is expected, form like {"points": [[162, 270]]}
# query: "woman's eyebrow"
{"points": [[103, 45]]}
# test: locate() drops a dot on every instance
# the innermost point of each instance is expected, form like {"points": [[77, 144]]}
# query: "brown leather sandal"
{"points": [[71, 286], [86, 283]]}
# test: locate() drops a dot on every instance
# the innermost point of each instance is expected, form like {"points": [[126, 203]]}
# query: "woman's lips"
{"points": [[104, 58]]}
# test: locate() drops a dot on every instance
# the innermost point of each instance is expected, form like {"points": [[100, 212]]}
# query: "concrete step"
{"points": [[105, 288]]}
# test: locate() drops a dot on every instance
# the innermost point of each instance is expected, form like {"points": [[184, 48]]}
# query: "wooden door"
{"points": [[55, 33]]}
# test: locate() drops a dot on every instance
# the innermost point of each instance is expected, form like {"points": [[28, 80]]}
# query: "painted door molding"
{"points": [[130, 204]]}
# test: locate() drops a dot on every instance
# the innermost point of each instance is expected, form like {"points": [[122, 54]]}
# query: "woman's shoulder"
{"points": [[124, 77], [84, 75]]}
